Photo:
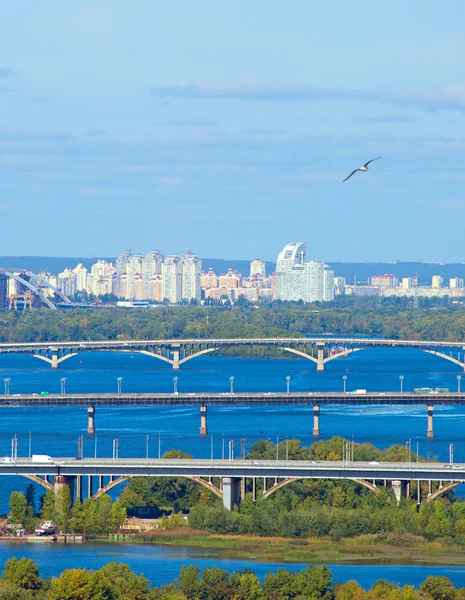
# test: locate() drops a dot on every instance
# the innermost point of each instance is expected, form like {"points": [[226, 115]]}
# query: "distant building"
{"points": [[295, 279], [390, 281], [408, 283], [172, 279], [456, 282], [437, 281], [257, 267], [191, 267], [81, 278], [339, 285]]}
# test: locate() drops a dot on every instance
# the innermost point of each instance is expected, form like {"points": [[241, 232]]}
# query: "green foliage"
{"points": [[18, 507], [22, 573], [63, 507], [48, 508]]}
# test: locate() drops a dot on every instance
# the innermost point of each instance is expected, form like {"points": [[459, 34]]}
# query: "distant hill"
{"points": [[361, 271]]}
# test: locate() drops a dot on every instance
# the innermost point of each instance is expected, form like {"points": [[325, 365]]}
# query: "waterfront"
{"points": [[161, 564]]}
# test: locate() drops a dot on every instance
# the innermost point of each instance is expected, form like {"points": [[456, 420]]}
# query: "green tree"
{"points": [[79, 584], [23, 572], [48, 507], [189, 582], [63, 507], [127, 585], [18, 507], [439, 588]]}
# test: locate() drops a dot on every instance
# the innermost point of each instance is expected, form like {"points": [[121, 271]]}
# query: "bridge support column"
{"points": [[59, 483], [54, 364], [91, 420], [176, 359], [316, 421], [79, 487], [430, 430], [203, 420], [397, 488], [231, 492], [90, 491], [320, 365]]}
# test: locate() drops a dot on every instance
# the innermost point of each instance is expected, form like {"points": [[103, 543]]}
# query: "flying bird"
{"points": [[363, 169]]}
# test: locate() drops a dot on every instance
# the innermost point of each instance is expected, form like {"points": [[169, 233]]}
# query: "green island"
{"points": [[21, 580]]}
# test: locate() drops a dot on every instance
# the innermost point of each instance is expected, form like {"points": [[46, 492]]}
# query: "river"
{"points": [[55, 431]]}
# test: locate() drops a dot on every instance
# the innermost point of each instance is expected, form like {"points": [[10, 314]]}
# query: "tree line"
{"points": [[21, 580], [383, 319]]}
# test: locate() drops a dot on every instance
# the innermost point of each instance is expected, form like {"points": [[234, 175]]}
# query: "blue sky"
{"points": [[228, 127]]}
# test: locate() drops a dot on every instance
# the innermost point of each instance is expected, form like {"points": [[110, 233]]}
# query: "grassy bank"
{"points": [[367, 549]]}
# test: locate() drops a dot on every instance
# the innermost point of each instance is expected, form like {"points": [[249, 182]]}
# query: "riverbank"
{"points": [[367, 549]]}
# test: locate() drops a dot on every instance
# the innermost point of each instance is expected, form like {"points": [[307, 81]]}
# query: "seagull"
{"points": [[364, 168]]}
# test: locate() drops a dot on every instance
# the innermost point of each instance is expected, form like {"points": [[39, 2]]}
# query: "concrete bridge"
{"points": [[178, 351], [203, 400], [232, 474]]}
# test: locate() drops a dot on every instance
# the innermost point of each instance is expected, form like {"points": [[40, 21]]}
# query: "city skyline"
{"points": [[236, 141]]}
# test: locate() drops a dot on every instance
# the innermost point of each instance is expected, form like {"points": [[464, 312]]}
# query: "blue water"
{"points": [[55, 431], [161, 564]]}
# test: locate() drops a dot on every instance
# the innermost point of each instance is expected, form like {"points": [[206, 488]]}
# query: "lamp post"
{"points": [[459, 378], [401, 379], [231, 385], [6, 381], [451, 454], [63, 386], [344, 379], [288, 380], [175, 385], [119, 381]]}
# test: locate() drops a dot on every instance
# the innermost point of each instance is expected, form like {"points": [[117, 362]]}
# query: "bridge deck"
{"points": [[239, 468], [227, 399]]}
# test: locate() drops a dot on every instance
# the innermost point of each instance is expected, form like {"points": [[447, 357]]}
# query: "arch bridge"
{"points": [[177, 352], [232, 475], [28, 282]]}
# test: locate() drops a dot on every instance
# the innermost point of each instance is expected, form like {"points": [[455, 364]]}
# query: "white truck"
{"points": [[359, 392], [41, 458]]}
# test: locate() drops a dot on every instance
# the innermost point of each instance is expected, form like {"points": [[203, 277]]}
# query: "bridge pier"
{"points": [[59, 483], [316, 421], [79, 487], [430, 430], [55, 363], [320, 364], [176, 363], [91, 420], [231, 492], [203, 420]]}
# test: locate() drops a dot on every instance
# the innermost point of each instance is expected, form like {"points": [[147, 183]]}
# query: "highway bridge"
{"points": [[233, 473], [203, 400], [319, 350]]}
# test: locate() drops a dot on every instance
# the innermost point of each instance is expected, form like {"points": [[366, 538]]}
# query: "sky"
{"points": [[228, 127]]}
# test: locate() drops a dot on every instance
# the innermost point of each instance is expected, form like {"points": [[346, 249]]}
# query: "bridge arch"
{"points": [[49, 285], [112, 484], [37, 479], [32, 287], [277, 486], [445, 356], [442, 490], [342, 353]]}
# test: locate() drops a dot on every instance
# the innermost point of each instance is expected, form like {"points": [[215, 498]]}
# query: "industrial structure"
{"points": [[24, 290]]}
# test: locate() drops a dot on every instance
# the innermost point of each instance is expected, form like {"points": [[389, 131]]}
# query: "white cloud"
{"points": [[449, 97]]}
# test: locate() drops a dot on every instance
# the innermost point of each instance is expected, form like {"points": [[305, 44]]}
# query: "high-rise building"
{"points": [[66, 282], [456, 282], [231, 279], [81, 278], [172, 279], [436, 281], [296, 279], [208, 279], [408, 283], [151, 265], [339, 286], [191, 267], [257, 267], [156, 288]]}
